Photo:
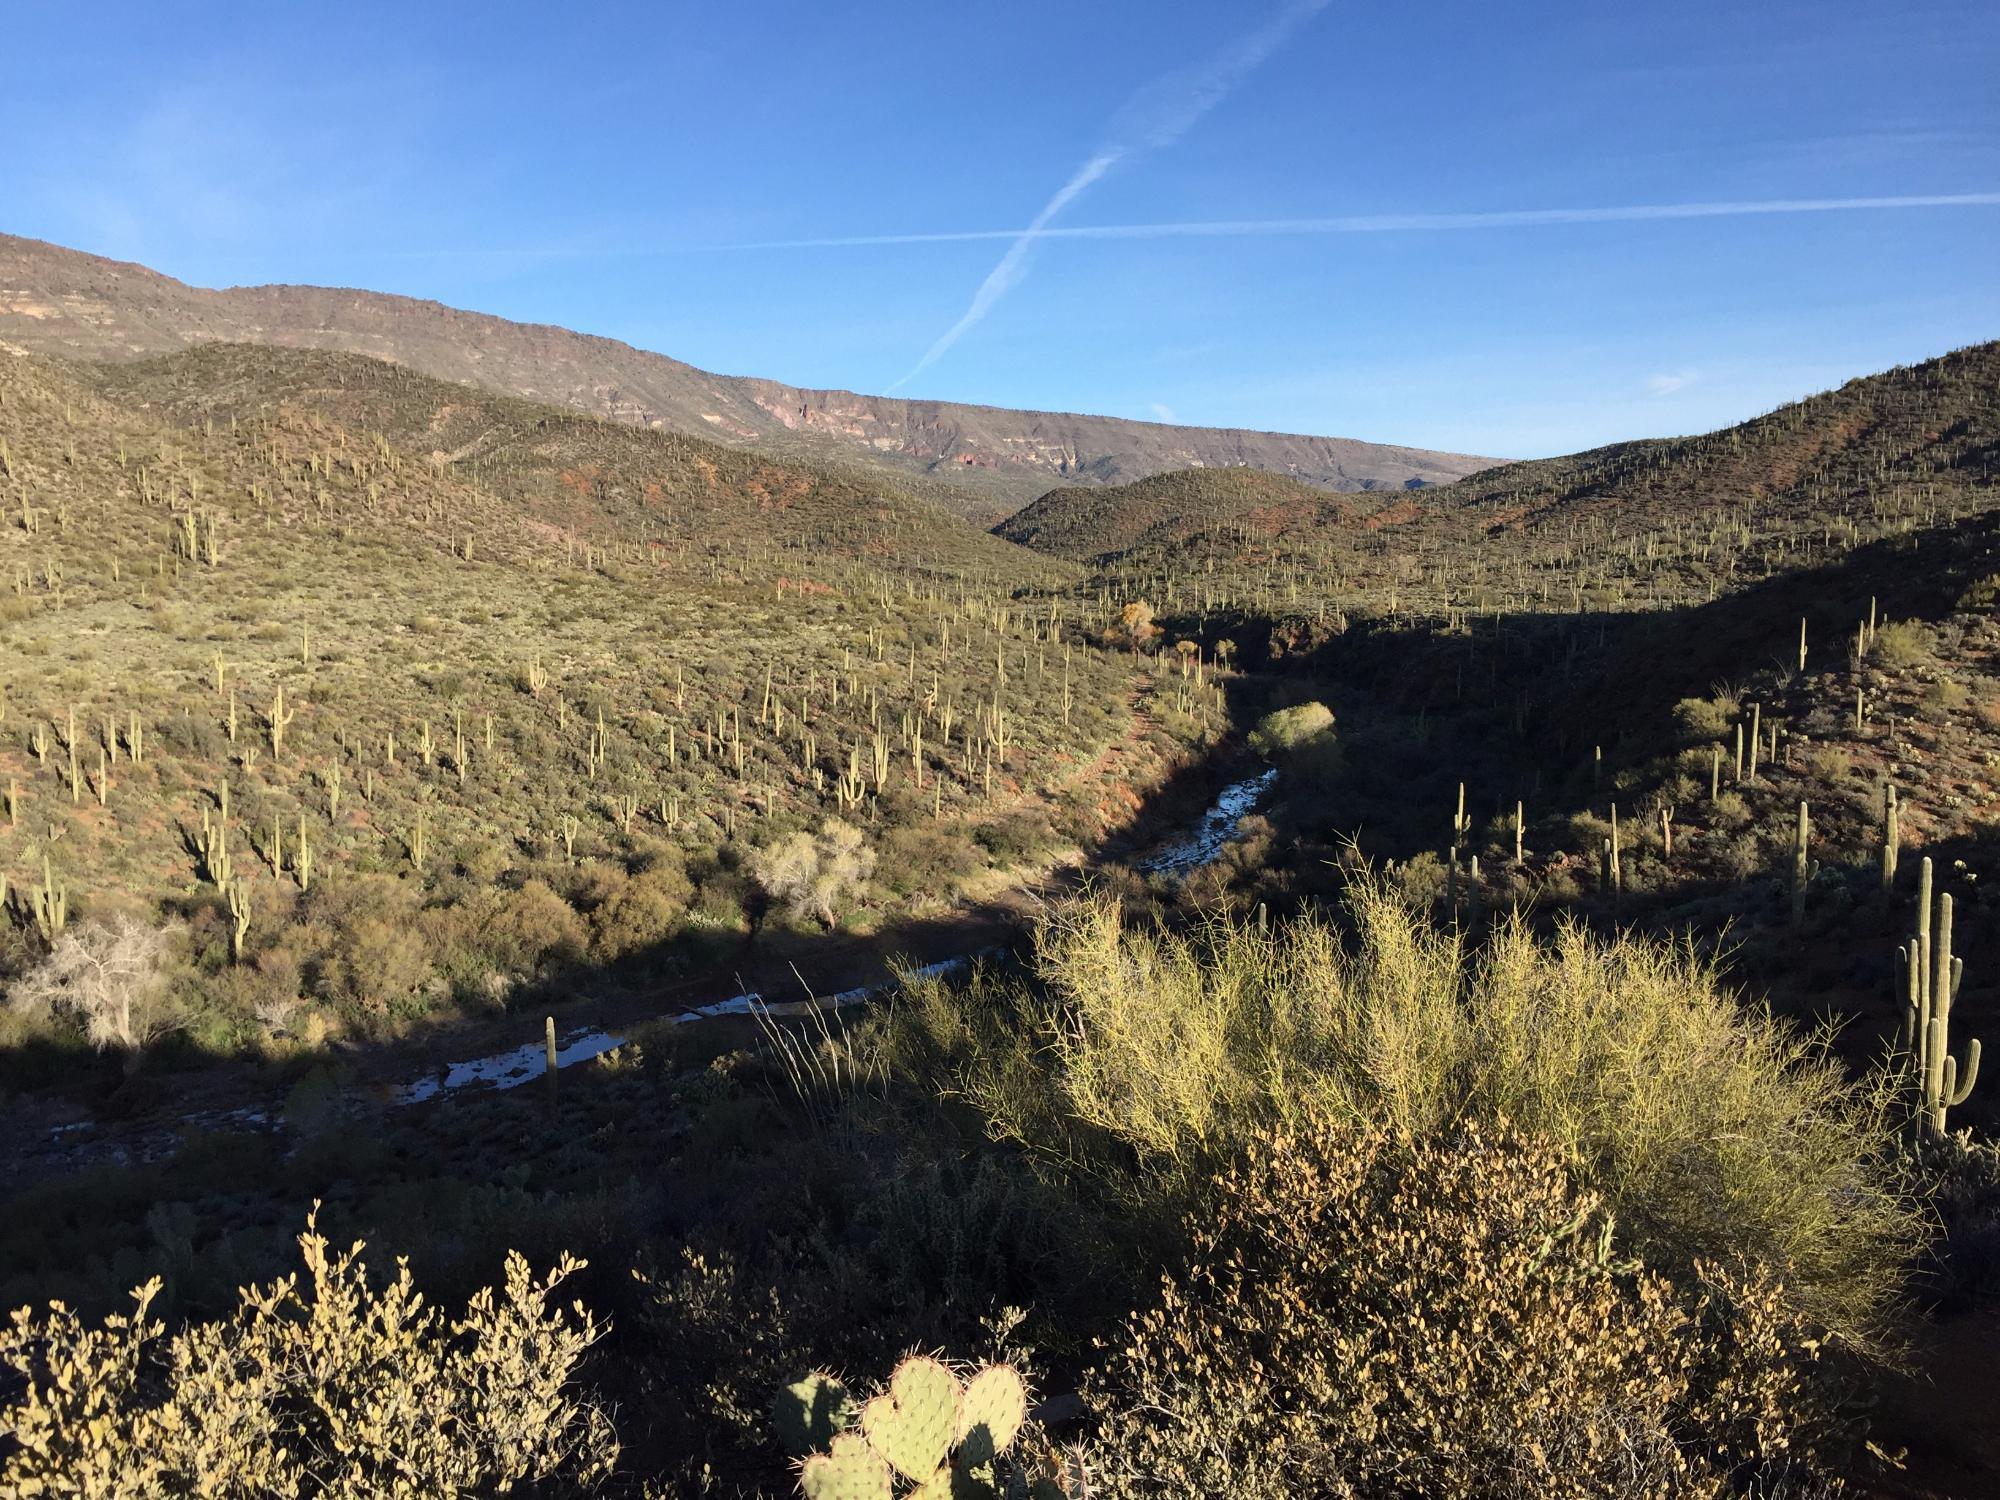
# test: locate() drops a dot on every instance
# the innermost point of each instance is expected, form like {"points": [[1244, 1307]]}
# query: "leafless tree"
{"points": [[814, 874], [109, 976]]}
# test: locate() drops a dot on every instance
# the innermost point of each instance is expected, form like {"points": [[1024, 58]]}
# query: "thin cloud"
{"points": [[1389, 223], [1163, 412], [1153, 118], [1667, 384]]}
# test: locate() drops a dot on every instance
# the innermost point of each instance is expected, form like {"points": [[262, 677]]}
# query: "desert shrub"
{"points": [[1290, 728], [1014, 837], [326, 1388], [484, 861], [1982, 594], [1714, 1132], [1587, 831], [1371, 1314], [1965, 1178], [1829, 762], [1134, 629], [1700, 720], [1300, 739], [1738, 858], [643, 912], [1729, 810], [376, 956], [926, 857], [815, 874], [110, 979], [1903, 643], [724, 1337], [511, 931], [1421, 880], [1946, 696]]}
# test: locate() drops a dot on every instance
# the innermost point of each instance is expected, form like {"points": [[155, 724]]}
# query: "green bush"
{"points": [[1290, 729], [643, 912], [1300, 739], [377, 956], [1704, 719], [1714, 1132], [1903, 643]]}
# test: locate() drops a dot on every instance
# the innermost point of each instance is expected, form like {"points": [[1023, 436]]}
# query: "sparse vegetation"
{"points": [[1465, 1128]]}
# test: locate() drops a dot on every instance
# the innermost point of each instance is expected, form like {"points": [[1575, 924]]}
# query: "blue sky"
{"points": [[644, 171]]}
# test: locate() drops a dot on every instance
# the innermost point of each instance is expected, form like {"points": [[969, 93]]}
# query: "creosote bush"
{"points": [[326, 1388], [1374, 1314]]}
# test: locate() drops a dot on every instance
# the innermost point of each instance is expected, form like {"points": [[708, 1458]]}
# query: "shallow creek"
{"points": [[1200, 845]]}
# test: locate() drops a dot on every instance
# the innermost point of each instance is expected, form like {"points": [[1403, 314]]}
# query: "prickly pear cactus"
{"points": [[944, 1437], [848, 1470], [914, 1423], [810, 1412], [991, 1409]]}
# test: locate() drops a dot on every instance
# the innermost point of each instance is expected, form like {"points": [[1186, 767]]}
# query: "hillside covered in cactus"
{"points": [[1041, 1012], [1637, 525], [397, 696]]}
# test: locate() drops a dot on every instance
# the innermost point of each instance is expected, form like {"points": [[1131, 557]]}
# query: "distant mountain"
{"points": [[1907, 446], [59, 301]]}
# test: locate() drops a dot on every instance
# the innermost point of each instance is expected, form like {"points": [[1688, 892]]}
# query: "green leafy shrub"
{"points": [[644, 911], [1300, 739], [1703, 719], [1289, 729], [377, 955]]}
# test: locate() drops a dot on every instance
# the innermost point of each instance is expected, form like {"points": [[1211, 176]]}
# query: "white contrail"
{"points": [[1157, 115], [1384, 223]]}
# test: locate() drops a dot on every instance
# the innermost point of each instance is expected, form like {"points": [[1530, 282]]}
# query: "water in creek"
{"points": [[1204, 845], [506, 1070]]}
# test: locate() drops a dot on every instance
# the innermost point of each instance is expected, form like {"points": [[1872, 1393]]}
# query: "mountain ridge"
{"points": [[55, 300], [1889, 440]]}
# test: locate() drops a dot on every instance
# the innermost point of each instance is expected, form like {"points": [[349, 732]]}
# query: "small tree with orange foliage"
{"points": [[1134, 629]]}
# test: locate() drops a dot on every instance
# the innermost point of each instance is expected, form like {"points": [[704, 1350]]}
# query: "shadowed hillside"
{"points": [[1632, 526], [1240, 509]]}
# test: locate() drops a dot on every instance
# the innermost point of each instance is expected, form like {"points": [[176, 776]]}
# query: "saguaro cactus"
{"points": [[1801, 867], [51, 905], [1931, 975], [279, 719], [1891, 835], [239, 912]]}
